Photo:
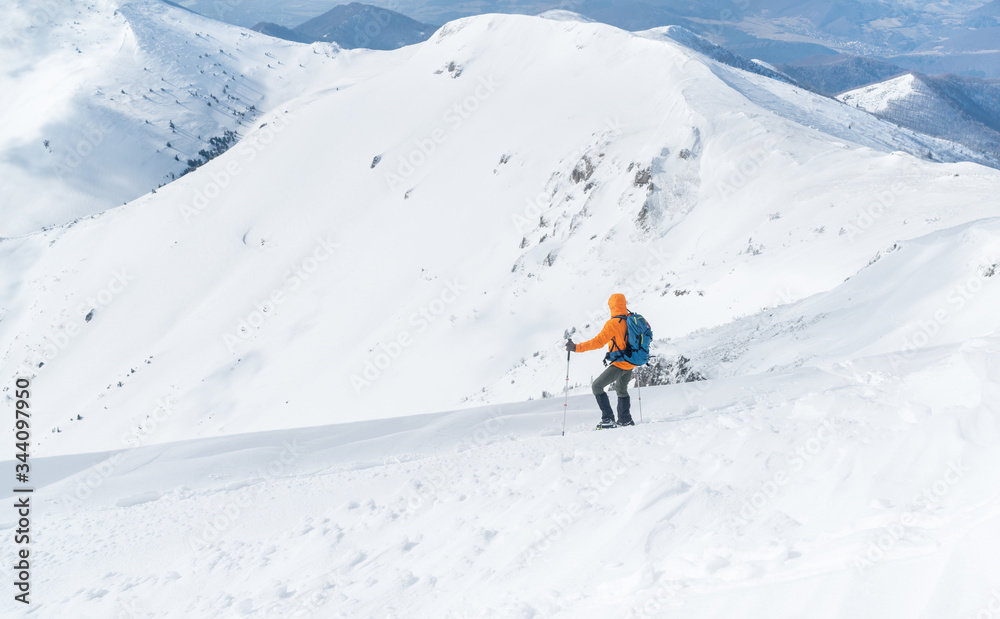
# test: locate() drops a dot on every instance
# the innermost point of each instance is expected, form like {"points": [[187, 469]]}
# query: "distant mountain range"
{"points": [[933, 38], [964, 110], [961, 109], [354, 25], [832, 75], [724, 55]]}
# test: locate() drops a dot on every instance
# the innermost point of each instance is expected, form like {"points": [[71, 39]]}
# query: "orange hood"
{"points": [[617, 305]]}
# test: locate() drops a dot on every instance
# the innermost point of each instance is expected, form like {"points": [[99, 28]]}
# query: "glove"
{"points": [[607, 358], [570, 346]]}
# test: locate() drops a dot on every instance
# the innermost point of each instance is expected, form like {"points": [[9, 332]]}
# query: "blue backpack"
{"points": [[637, 339]]}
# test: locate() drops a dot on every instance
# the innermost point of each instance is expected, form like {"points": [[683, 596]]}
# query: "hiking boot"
{"points": [[607, 415], [624, 417]]}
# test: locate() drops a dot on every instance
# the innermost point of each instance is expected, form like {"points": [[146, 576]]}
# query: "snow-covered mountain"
{"points": [[964, 110], [957, 37], [352, 248], [705, 47], [690, 40], [832, 75], [140, 88], [229, 373], [936, 37], [355, 25]]}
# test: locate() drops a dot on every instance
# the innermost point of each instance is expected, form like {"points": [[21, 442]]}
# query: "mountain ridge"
{"points": [[141, 88], [246, 276], [961, 109]]}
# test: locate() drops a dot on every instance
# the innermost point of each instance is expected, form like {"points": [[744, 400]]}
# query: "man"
{"points": [[613, 334]]}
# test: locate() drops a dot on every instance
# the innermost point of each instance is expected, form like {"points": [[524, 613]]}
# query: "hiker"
{"points": [[619, 372]]}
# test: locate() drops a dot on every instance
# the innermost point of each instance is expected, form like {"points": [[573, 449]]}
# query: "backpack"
{"points": [[637, 339]]}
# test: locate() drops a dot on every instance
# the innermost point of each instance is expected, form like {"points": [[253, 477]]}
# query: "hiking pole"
{"points": [[639, 388], [566, 399]]}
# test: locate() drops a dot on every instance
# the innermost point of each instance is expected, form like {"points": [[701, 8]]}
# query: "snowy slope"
{"points": [[851, 493], [354, 259], [963, 110], [935, 292], [92, 87], [878, 97], [227, 373], [702, 45], [831, 75]]}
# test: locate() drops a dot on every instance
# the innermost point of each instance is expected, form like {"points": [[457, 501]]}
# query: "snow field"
{"points": [[808, 491]]}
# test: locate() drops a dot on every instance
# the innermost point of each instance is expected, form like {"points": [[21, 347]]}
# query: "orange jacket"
{"points": [[614, 333]]}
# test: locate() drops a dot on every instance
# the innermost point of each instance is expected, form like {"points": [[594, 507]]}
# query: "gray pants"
{"points": [[614, 375]]}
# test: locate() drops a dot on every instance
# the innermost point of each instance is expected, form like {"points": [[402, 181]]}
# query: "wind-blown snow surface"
{"points": [[355, 261], [856, 492]]}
